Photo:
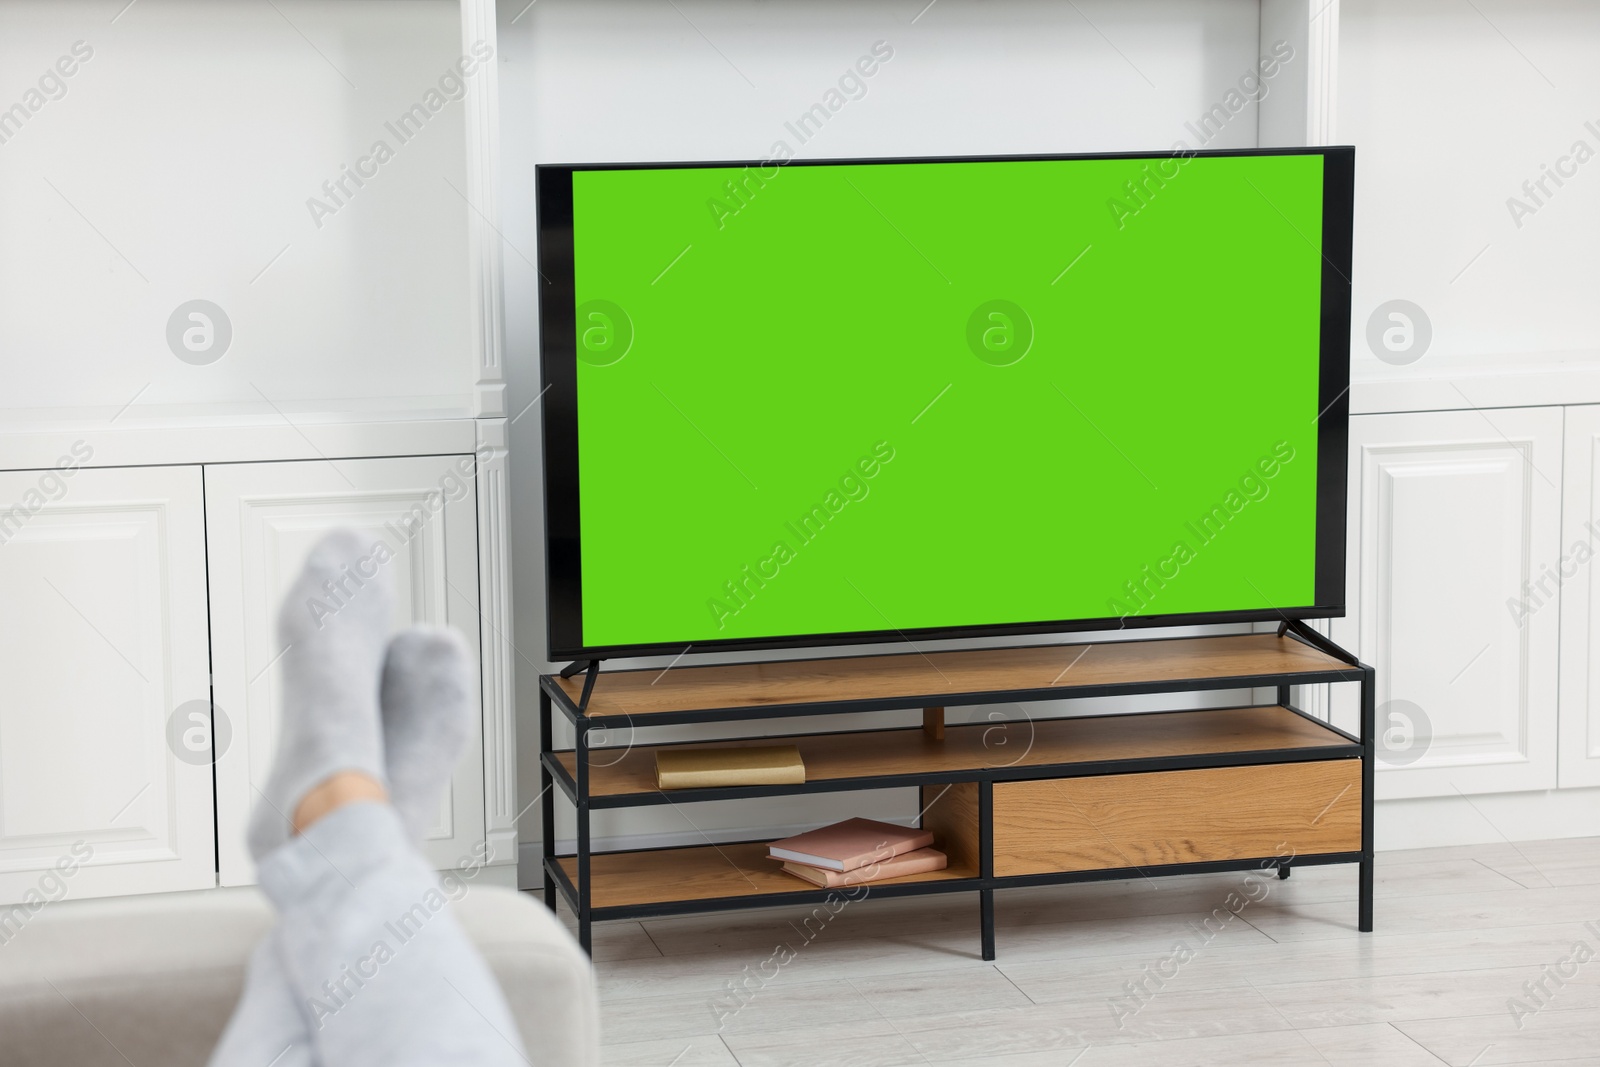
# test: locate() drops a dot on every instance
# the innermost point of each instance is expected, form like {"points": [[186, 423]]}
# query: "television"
{"points": [[816, 402]]}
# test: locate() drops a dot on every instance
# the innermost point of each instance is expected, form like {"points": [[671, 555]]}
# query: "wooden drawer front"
{"points": [[1146, 820]]}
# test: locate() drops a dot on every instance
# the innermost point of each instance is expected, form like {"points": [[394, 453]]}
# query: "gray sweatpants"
{"points": [[366, 965]]}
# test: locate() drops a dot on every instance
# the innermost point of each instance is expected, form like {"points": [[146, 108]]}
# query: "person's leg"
{"points": [[427, 705], [366, 936], [327, 724], [333, 627], [267, 1028], [427, 718], [381, 971], [366, 965], [335, 860]]}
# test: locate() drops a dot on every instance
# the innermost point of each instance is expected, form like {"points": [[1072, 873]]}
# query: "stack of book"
{"points": [[857, 851]]}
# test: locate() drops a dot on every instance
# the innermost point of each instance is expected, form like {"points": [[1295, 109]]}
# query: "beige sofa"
{"points": [[152, 980]]}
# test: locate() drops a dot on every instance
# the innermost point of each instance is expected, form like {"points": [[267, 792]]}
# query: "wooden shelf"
{"points": [[705, 872], [992, 746], [944, 678], [1011, 802]]}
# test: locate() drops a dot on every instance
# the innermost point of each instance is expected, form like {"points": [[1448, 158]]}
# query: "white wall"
{"points": [[645, 80], [176, 163], [1451, 107]]}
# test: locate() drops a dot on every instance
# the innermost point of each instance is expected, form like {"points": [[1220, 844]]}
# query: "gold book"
{"points": [[708, 768]]}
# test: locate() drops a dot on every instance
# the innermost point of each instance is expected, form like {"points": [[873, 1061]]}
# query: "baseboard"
{"points": [[1429, 822], [1541, 815], [499, 874]]}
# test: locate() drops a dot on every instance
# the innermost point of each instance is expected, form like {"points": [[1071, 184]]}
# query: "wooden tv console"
{"points": [[1012, 802]]}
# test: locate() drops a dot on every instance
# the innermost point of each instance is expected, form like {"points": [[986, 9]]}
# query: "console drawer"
{"points": [[1165, 817]]}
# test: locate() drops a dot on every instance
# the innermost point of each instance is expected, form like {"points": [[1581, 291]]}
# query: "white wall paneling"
{"points": [[230, 152], [244, 440], [497, 643], [1299, 110], [482, 194], [1452, 107], [1574, 581], [102, 642], [262, 519], [636, 80], [182, 157], [325, 176], [1455, 512]]}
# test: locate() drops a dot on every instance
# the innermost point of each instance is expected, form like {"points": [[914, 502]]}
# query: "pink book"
{"points": [[844, 846], [916, 861]]}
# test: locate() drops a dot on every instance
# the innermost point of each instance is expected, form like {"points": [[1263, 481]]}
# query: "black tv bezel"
{"points": [[559, 415]]}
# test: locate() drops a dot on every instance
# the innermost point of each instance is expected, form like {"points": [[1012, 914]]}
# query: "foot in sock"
{"points": [[333, 626], [427, 703]]}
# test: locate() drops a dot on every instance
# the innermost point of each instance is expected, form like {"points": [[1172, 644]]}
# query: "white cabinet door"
{"points": [[1576, 574], [1451, 513], [102, 648], [262, 520]]}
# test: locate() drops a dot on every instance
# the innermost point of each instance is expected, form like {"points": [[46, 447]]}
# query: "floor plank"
{"points": [[1346, 1046], [868, 1043], [1396, 998], [1552, 1036], [1410, 913], [1551, 863], [778, 1005], [614, 941], [698, 1051], [1217, 965], [1272, 973]]}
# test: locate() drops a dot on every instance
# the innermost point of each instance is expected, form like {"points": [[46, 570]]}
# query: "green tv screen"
{"points": [[813, 403]]}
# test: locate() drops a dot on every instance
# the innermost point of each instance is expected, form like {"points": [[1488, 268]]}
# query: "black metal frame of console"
{"points": [[554, 776]]}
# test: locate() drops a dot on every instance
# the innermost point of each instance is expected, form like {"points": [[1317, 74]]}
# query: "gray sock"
{"points": [[427, 700], [333, 625]]}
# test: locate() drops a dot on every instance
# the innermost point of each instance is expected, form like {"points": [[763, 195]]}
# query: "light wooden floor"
{"points": [[1289, 981]]}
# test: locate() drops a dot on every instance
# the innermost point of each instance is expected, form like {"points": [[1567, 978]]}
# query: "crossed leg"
{"points": [[366, 965]]}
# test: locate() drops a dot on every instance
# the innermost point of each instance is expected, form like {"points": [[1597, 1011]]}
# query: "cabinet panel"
{"points": [[263, 519], [1453, 512], [102, 642], [1572, 580], [1198, 816]]}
